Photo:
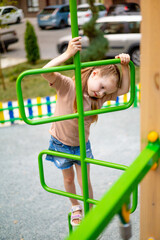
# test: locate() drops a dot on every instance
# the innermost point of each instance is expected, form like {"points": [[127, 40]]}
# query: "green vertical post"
{"points": [[79, 94], [135, 98]]}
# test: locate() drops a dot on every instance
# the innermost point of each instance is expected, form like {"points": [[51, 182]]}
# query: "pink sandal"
{"points": [[76, 216]]}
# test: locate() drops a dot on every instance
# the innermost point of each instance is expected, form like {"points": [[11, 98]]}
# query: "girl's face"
{"points": [[99, 86]]}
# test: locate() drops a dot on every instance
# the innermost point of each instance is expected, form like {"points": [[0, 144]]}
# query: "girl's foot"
{"points": [[76, 215]]}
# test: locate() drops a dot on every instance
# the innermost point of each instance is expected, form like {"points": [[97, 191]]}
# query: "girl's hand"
{"points": [[125, 58], [74, 46]]}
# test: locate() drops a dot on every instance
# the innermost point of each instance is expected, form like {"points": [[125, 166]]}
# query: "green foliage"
{"points": [[7, 2], [31, 44], [96, 50], [98, 44], [33, 85]]}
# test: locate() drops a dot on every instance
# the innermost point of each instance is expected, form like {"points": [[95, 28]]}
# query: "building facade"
{"points": [[32, 7]]}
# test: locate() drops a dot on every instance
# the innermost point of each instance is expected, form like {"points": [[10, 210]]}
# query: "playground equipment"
{"points": [[117, 199], [44, 107]]}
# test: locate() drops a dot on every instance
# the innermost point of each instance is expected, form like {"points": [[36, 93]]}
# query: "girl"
{"points": [[99, 84]]}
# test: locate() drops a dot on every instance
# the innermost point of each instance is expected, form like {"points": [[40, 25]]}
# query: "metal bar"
{"points": [[106, 164], [119, 167], [99, 217], [41, 173], [77, 72], [79, 96], [134, 200]]}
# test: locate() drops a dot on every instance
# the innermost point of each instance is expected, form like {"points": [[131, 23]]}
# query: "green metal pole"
{"points": [[99, 217], [135, 99], [79, 95]]}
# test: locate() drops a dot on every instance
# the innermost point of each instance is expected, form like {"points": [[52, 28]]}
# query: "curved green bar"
{"points": [[74, 115]]}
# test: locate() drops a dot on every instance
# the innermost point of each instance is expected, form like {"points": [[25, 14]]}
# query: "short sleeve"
{"points": [[61, 83]]}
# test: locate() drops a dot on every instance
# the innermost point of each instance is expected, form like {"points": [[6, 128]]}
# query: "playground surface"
{"points": [[27, 211]]}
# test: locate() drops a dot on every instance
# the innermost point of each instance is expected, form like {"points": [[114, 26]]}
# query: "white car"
{"points": [[10, 14], [122, 32], [84, 13]]}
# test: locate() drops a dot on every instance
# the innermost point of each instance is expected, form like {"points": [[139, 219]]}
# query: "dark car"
{"points": [[124, 9], [7, 37], [53, 16]]}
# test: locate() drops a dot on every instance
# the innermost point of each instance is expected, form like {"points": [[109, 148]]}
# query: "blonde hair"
{"points": [[105, 70]]}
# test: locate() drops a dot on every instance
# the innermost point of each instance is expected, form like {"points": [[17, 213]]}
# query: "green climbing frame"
{"points": [[100, 216]]}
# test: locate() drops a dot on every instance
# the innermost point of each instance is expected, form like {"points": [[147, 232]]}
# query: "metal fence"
{"points": [[44, 107]]}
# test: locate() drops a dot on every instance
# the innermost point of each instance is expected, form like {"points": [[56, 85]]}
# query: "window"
{"points": [[120, 27], [9, 10], [48, 10], [134, 27], [33, 5], [83, 9], [64, 9], [6, 10]]}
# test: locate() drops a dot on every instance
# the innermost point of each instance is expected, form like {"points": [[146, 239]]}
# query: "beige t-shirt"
{"points": [[66, 131]]}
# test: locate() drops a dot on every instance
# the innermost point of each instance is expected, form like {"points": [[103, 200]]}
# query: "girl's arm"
{"points": [[125, 59], [73, 47]]}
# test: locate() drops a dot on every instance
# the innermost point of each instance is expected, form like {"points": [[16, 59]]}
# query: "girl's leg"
{"points": [[79, 178], [68, 176]]}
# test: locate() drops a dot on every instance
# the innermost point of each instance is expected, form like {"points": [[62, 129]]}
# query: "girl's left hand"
{"points": [[125, 58], [74, 46]]}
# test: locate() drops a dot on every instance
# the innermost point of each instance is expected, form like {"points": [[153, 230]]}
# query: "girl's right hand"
{"points": [[74, 46]]}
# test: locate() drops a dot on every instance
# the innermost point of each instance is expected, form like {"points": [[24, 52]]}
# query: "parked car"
{"points": [[7, 37], [122, 32], [10, 14], [84, 13], [124, 9], [53, 16]]}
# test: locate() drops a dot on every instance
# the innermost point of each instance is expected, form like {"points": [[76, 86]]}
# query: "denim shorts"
{"points": [[64, 163]]}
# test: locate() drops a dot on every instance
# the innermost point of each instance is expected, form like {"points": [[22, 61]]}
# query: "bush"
{"points": [[31, 45]]}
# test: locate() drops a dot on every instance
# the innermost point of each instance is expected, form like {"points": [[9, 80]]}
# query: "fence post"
{"points": [[11, 114], [125, 98], [19, 112], [29, 102], [1, 113], [39, 107], [117, 101], [48, 106]]}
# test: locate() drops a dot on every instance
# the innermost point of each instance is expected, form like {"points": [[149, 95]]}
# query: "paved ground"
{"points": [[27, 211]]}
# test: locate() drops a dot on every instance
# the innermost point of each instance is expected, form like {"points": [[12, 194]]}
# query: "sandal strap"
{"points": [[77, 216], [76, 208]]}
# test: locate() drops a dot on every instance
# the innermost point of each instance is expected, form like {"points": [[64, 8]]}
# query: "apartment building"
{"points": [[32, 7]]}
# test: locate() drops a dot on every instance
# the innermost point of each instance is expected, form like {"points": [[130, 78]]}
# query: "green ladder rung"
{"points": [[87, 160]]}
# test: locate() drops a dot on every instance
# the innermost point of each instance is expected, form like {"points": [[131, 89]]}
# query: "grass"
{"points": [[32, 86]]}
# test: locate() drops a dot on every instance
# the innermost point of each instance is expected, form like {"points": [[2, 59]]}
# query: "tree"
{"points": [[98, 43], [31, 44]]}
